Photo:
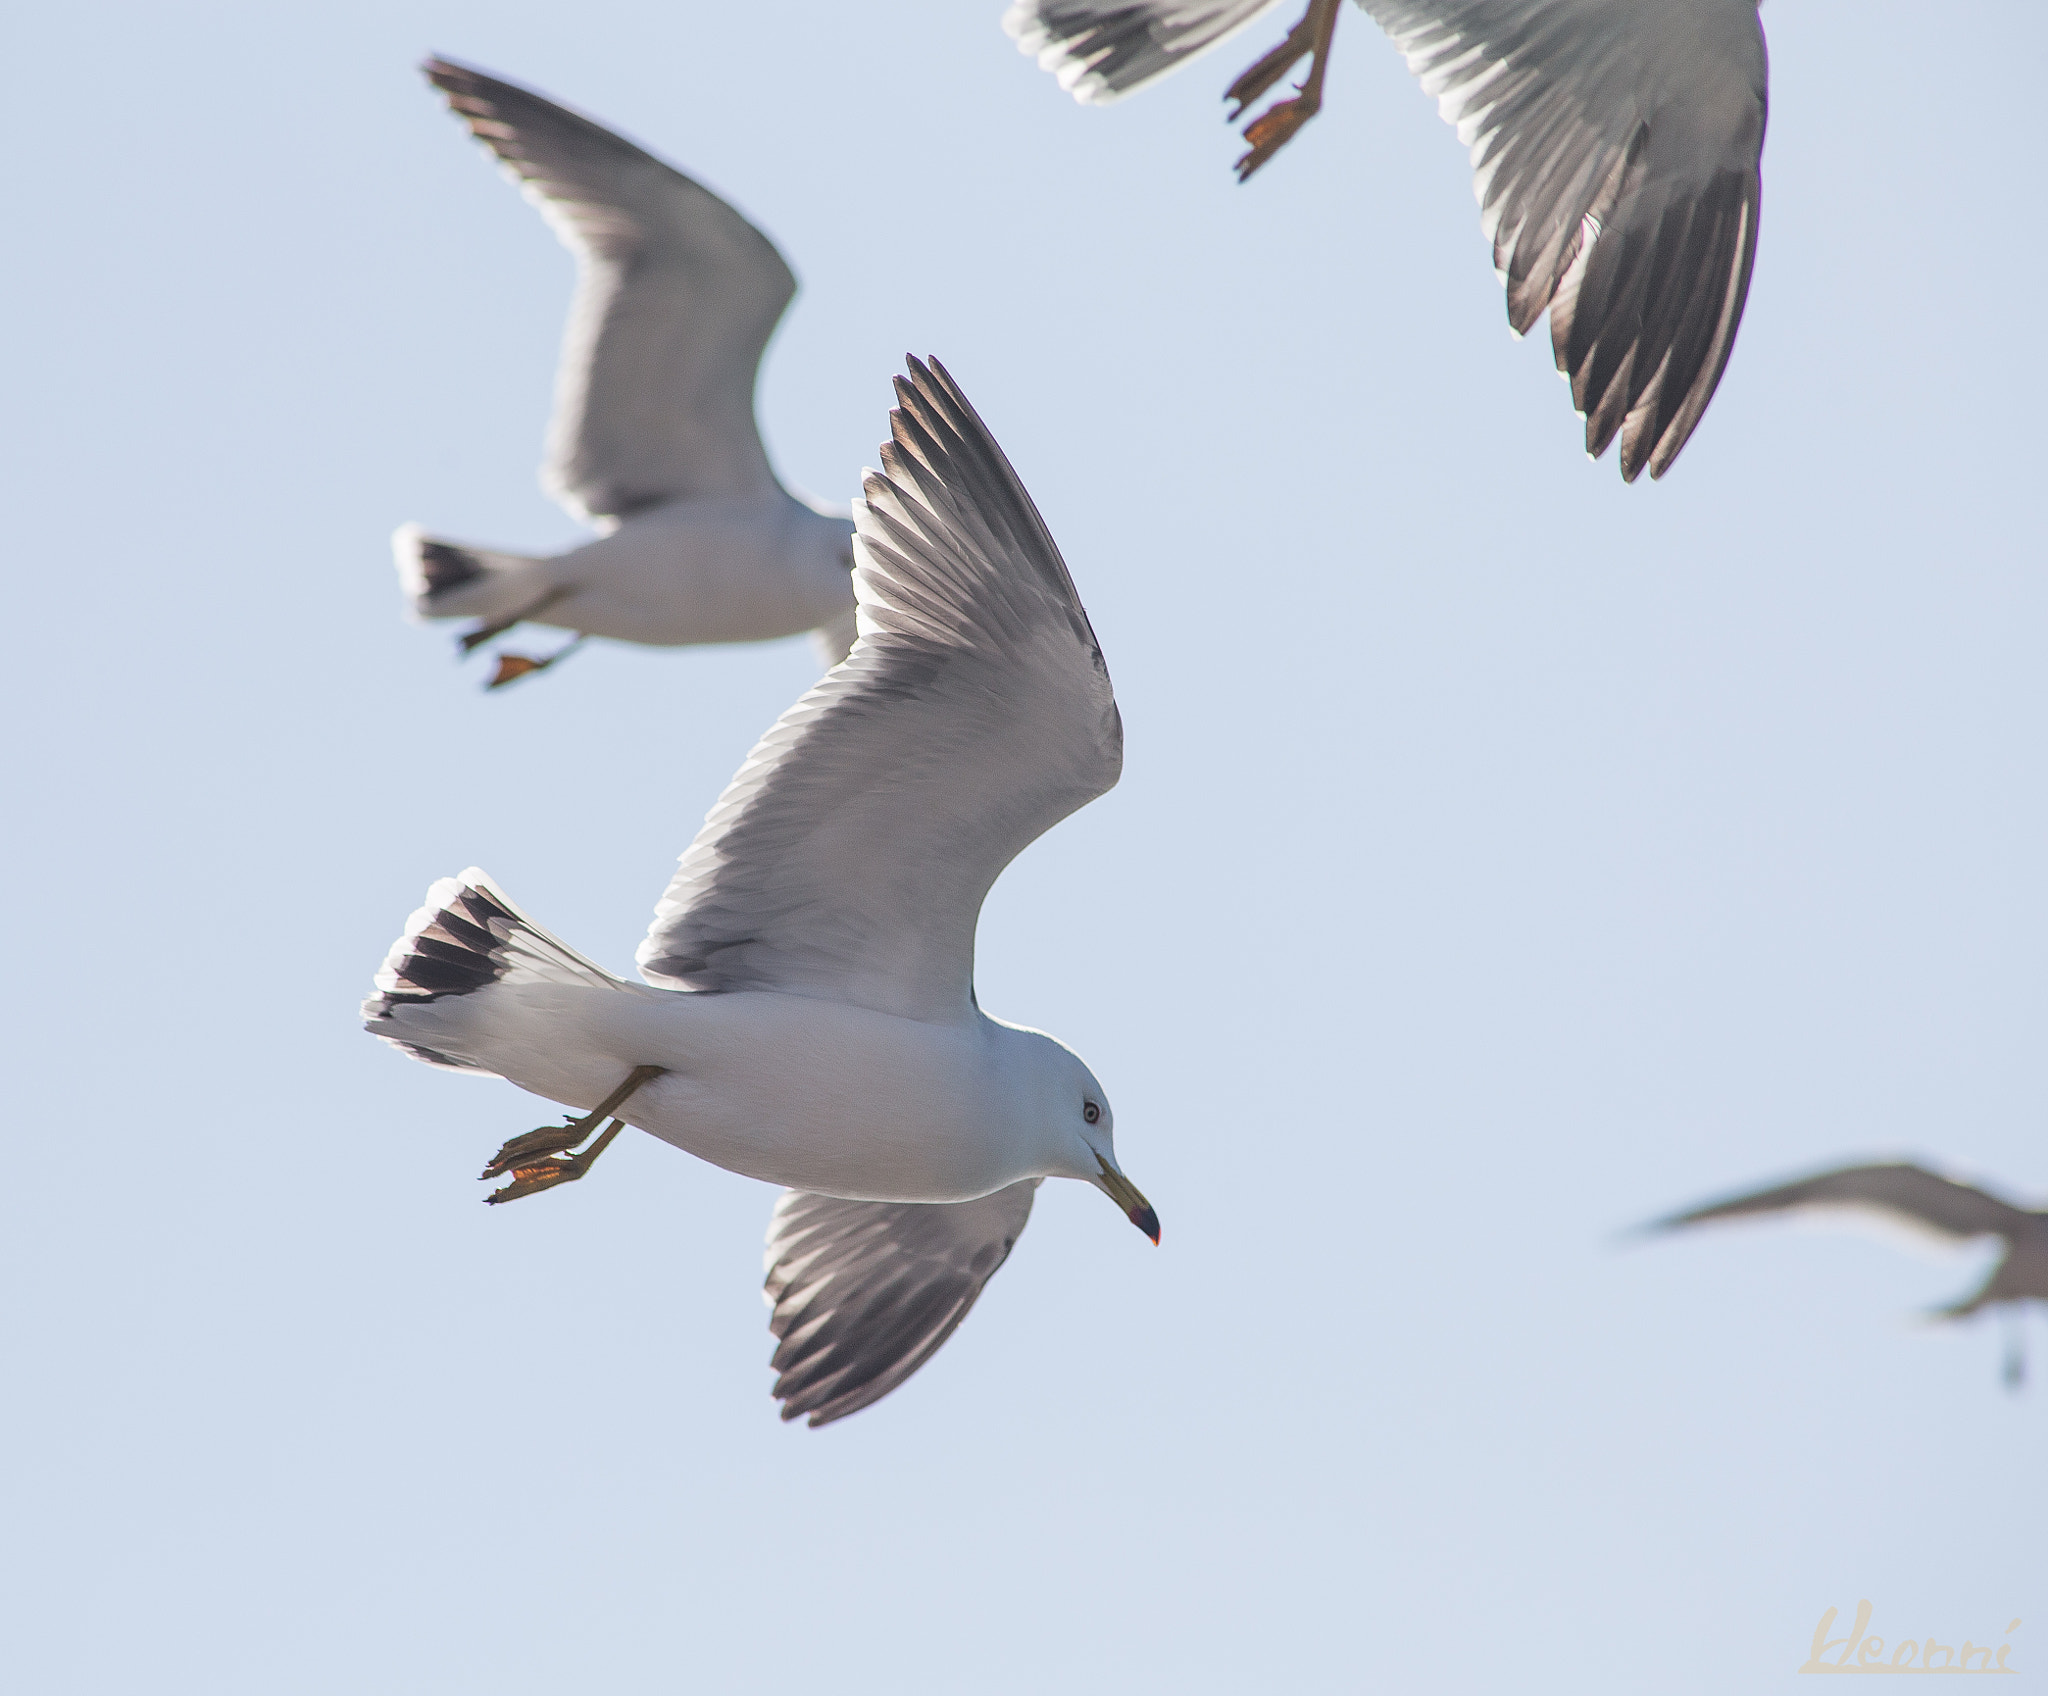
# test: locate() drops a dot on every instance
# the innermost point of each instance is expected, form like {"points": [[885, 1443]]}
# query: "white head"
{"points": [[1077, 1130]]}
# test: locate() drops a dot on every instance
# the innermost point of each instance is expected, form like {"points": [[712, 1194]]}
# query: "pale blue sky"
{"points": [[1504, 856]]}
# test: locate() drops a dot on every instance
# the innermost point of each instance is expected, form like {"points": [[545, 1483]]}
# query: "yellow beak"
{"points": [[1126, 1195]]}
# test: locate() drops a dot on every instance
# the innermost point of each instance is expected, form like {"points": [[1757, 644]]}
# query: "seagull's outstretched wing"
{"points": [[676, 298], [1616, 147], [1102, 50], [849, 856], [1906, 1192], [863, 1292]]}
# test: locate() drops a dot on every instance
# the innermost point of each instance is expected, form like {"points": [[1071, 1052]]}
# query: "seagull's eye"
{"points": [[1091, 1112]]}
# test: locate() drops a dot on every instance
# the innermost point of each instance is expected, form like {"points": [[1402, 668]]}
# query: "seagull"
{"points": [[1616, 153], [1914, 1196], [653, 440], [812, 1020]]}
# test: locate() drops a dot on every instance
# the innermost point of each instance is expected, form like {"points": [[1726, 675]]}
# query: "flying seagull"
{"points": [[1914, 1196], [1616, 153], [813, 1021], [653, 438]]}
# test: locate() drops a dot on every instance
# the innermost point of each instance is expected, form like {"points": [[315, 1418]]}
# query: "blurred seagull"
{"points": [[814, 1022], [653, 438], [1616, 153], [1914, 1196]]}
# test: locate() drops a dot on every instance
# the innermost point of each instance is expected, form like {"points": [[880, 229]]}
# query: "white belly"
{"points": [[815, 1095], [707, 571]]}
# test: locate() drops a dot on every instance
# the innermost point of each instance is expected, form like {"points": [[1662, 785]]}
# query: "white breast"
{"points": [[745, 570], [813, 1094]]}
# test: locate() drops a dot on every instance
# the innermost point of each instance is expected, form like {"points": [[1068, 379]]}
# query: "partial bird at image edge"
{"points": [[1616, 154], [1917, 1197]]}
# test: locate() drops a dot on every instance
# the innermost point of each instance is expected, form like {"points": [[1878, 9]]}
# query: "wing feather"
{"points": [[1903, 1191], [862, 1293], [850, 854], [1616, 152], [676, 298]]}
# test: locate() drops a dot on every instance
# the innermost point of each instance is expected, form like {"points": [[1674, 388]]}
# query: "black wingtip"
{"points": [[916, 379], [455, 81], [931, 375]]}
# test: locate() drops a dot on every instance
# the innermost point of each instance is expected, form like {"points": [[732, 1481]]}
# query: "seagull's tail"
{"points": [[465, 939], [453, 580]]}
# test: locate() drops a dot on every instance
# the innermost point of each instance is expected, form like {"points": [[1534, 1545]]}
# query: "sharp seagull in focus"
{"points": [[653, 438], [1914, 1196], [1616, 153], [813, 1021]]}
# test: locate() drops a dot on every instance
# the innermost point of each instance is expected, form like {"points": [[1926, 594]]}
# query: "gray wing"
{"points": [[1102, 50], [850, 855], [862, 1293], [1616, 148], [1905, 1192], [676, 298]]}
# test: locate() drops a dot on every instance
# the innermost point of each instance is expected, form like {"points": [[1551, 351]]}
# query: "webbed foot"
{"points": [[512, 667], [540, 1160], [1275, 127]]}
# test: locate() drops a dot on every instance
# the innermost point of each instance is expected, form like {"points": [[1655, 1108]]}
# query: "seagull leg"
{"points": [[1253, 83], [1273, 128], [471, 640], [512, 667], [539, 1160], [2015, 1350], [538, 1175]]}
